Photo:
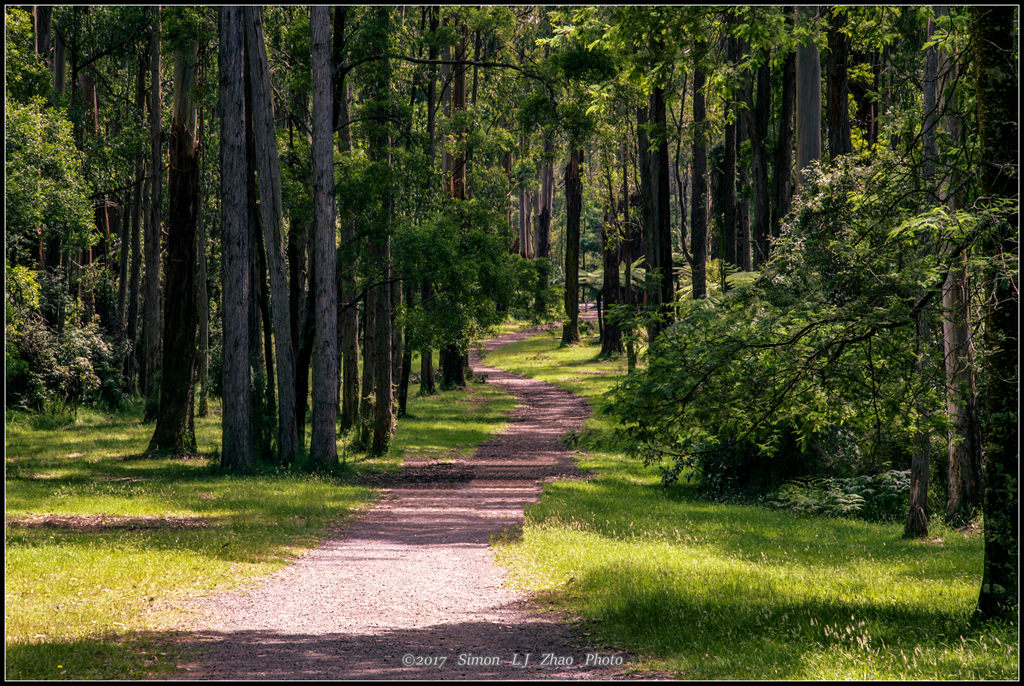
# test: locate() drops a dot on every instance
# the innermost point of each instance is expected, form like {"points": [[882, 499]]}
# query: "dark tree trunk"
{"points": [[698, 206], [298, 304], [427, 386], [453, 373], [611, 334], [236, 418], [174, 430], [406, 368], [547, 193], [151, 316], [995, 69], [783, 154], [728, 191], [838, 113], [574, 206], [759, 159], [323, 448], [743, 129]]}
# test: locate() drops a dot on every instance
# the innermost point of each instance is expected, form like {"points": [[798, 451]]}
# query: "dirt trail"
{"points": [[414, 576]]}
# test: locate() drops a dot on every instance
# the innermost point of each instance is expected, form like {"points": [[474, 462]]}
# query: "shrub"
{"points": [[881, 497]]}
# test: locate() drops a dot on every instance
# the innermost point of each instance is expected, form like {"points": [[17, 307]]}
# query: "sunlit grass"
{"points": [[714, 591], [100, 603]]}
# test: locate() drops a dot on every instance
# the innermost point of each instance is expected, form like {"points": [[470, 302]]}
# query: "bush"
{"points": [[882, 497]]}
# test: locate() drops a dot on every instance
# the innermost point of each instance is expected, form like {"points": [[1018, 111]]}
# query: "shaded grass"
{"points": [[715, 591], [94, 604]]}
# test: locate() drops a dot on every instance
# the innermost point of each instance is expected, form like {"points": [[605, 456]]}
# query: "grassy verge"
{"points": [[714, 591], [114, 544]]}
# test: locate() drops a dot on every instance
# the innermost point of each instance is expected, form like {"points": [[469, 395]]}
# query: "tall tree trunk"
{"points": [[808, 98], [744, 126], [838, 113], [611, 334], [783, 154], [151, 316], [698, 206], [174, 431], [405, 370], [203, 295], [547, 192], [269, 177], [323, 447], [759, 163], [728, 193], [963, 465], [348, 315], [573, 210], [236, 416], [995, 69]]}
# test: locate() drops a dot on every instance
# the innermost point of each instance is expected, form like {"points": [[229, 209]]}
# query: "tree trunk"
{"points": [[808, 98], [323, 448], [743, 129], [203, 296], [728, 194], [574, 206], [759, 163], [453, 373], [269, 177], [151, 317], [838, 113], [547, 192], [995, 69], [236, 417], [427, 386], [783, 154], [611, 334], [698, 206], [174, 431], [406, 368]]}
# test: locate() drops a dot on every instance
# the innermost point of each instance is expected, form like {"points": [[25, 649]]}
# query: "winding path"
{"points": [[415, 576]]}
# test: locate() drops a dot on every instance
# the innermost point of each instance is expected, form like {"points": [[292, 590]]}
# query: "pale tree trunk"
{"points": [[323, 448], [808, 99], [151, 316], [964, 488], [174, 429], [236, 417], [269, 177]]}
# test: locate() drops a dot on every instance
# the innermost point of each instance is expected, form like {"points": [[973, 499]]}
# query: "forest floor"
{"points": [[410, 590]]}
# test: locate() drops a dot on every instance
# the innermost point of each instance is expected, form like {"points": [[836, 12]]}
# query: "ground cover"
{"points": [[716, 591], [104, 546]]}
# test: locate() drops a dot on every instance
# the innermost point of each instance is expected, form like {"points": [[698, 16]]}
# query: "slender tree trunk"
{"points": [[174, 431], [783, 154], [728, 194], [427, 386], [611, 334], [269, 177], [759, 160], [151, 316], [808, 99], [323, 448], [574, 207], [406, 368], [995, 69], [838, 113], [236, 417], [698, 206], [744, 125], [203, 296]]}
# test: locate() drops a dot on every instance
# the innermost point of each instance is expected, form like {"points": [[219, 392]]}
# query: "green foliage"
{"points": [[26, 75], [879, 497], [820, 351], [45, 192]]}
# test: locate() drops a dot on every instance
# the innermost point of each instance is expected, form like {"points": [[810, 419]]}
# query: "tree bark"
{"points": [[174, 430], [995, 69], [698, 206], [151, 316], [574, 206], [838, 109], [269, 177], [783, 154], [808, 99], [323, 448], [759, 160], [236, 417]]}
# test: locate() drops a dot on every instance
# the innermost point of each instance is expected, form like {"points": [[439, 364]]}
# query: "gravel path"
{"points": [[414, 576]]}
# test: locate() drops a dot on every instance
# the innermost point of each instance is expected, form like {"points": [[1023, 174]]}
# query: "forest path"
{"points": [[415, 576]]}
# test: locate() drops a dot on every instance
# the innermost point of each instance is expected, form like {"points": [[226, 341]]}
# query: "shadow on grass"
{"points": [[746, 625]]}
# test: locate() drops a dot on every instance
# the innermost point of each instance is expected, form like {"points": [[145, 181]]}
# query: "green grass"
{"points": [[106, 603], [714, 591]]}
